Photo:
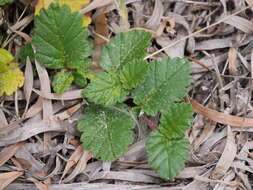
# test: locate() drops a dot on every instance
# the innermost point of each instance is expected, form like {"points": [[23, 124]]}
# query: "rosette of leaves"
{"points": [[122, 59], [11, 77], [157, 87], [62, 43]]}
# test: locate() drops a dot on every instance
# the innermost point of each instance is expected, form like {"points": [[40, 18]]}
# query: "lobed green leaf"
{"points": [[60, 39], [26, 51], [167, 147], [133, 73], [176, 120], [166, 155], [105, 89], [106, 132], [124, 48], [165, 83]]}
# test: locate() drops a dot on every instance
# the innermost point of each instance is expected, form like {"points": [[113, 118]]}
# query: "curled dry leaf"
{"points": [[240, 23], [227, 156], [95, 4], [81, 165], [156, 17], [72, 160]]}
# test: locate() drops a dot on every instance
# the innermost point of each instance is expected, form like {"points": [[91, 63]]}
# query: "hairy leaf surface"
{"points": [[166, 155], [62, 81], [106, 132], [105, 89], [60, 39], [26, 51], [176, 120], [165, 83], [133, 73], [167, 147], [123, 48]]}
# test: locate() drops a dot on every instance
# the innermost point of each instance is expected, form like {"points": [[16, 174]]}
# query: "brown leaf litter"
{"points": [[39, 145]]}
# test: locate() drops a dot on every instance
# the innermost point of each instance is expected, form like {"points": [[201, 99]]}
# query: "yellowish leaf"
{"points": [[11, 77], [75, 5], [5, 57]]}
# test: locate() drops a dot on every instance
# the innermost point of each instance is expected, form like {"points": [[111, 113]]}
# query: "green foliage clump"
{"points": [[155, 87], [61, 42]]}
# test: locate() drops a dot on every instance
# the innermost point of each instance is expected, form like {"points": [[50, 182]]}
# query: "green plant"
{"points": [[155, 87], [11, 77], [61, 43], [3, 2]]}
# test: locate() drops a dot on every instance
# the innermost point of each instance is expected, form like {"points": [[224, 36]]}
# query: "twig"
{"points": [[150, 123]]}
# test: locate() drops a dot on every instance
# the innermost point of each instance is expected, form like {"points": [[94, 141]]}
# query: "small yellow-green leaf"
{"points": [[10, 75], [11, 80], [5, 59], [62, 81]]}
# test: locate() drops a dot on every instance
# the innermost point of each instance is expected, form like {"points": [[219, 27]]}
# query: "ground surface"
{"points": [[215, 35]]}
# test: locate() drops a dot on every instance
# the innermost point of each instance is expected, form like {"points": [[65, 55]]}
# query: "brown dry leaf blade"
{"points": [[232, 56], [81, 165], [3, 120], [28, 85], [95, 4], [9, 151], [18, 133], [38, 184], [73, 160], [219, 117], [227, 156], [156, 17], [240, 23], [8, 177], [206, 133], [69, 95]]}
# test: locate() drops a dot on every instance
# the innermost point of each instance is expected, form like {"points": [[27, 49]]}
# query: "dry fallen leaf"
{"points": [[240, 23], [8, 177], [74, 5], [221, 117], [81, 165], [38, 184], [227, 156], [9, 151], [73, 160]]}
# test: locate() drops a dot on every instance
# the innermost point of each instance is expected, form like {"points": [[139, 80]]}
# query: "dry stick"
{"points": [[194, 33]]}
